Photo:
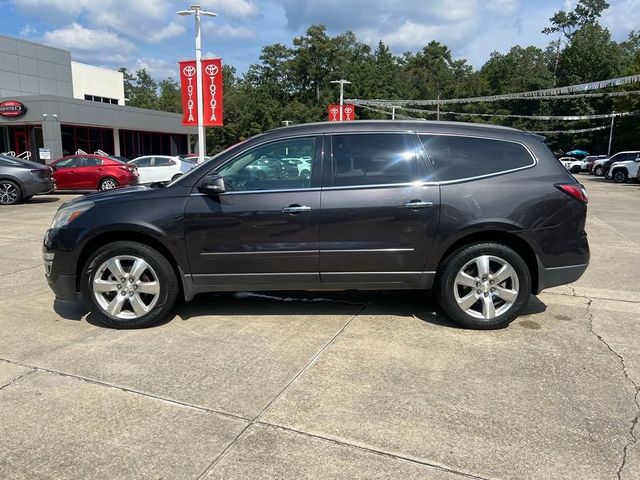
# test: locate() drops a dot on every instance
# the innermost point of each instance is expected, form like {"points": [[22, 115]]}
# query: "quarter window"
{"points": [[373, 159], [282, 165], [456, 158]]}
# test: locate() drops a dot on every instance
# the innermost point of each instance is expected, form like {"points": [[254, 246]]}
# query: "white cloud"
{"points": [[95, 46], [27, 31], [622, 17], [232, 8], [227, 31], [158, 68], [171, 30]]}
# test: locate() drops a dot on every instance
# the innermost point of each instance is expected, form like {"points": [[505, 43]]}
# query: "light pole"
{"points": [[196, 11], [342, 84]]}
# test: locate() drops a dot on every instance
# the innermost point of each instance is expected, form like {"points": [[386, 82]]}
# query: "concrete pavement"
{"points": [[349, 385]]}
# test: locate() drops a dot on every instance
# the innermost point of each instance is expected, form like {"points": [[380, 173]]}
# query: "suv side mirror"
{"points": [[212, 184]]}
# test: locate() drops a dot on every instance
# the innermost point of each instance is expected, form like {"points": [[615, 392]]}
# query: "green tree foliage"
{"points": [[293, 83]]}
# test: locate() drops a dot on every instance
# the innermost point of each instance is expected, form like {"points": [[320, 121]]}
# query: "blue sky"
{"points": [[149, 34]]}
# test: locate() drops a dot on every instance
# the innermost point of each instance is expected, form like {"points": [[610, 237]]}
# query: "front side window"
{"points": [[373, 159], [282, 165], [457, 158], [68, 163]]}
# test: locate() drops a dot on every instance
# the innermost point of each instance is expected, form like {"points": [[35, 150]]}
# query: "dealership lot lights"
{"points": [[196, 11]]}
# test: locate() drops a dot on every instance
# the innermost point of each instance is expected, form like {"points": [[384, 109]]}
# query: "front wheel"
{"points": [[575, 169], [483, 286], [129, 285], [620, 176]]}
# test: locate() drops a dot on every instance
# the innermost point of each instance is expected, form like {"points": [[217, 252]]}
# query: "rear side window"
{"points": [[143, 162], [457, 158], [91, 162], [163, 162], [373, 159]]}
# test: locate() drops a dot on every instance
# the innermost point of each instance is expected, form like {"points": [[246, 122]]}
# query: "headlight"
{"points": [[66, 215]]}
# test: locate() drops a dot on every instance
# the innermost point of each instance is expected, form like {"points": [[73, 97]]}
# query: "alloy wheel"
{"points": [[486, 287], [126, 287], [8, 193], [108, 184]]}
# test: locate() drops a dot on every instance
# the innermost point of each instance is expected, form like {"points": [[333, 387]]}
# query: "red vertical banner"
{"points": [[348, 112], [212, 92], [189, 86]]}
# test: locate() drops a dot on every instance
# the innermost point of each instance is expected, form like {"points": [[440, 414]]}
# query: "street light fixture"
{"points": [[196, 11], [342, 84]]}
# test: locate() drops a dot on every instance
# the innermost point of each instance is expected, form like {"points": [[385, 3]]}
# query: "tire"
{"points": [[478, 315], [305, 174], [139, 309], [598, 171], [575, 169], [10, 193], [108, 183], [620, 176], [175, 177]]}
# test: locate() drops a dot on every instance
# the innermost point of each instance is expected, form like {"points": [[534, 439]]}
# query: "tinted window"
{"points": [[163, 162], [143, 162], [91, 162], [456, 158], [270, 166], [373, 159], [68, 162]]}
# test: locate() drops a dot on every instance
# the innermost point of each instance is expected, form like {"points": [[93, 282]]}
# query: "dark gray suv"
{"points": [[485, 216]]}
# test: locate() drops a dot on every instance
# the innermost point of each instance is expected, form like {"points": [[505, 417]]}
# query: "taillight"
{"points": [[574, 190]]}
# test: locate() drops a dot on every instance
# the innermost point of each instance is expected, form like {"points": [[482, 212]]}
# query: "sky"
{"points": [[148, 33]]}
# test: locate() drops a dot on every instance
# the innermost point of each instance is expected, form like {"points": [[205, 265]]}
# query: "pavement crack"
{"points": [[634, 421], [19, 377], [20, 270], [256, 419]]}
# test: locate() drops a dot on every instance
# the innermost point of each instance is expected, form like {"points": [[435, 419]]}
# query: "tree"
{"points": [[170, 98], [586, 12]]}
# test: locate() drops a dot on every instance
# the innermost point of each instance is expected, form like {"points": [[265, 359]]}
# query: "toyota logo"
{"points": [[211, 70], [189, 70]]}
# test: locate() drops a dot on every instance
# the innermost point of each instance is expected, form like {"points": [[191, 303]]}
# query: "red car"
{"points": [[92, 172]]}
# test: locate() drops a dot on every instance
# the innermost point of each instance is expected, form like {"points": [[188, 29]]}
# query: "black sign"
{"points": [[12, 109]]}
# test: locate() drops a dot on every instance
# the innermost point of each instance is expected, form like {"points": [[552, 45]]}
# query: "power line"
{"points": [[548, 93]]}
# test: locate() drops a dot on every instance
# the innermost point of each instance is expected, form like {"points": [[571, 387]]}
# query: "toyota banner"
{"points": [[212, 95]]}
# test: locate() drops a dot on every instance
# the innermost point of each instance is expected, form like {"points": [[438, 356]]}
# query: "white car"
{"points": [[573, 164], [302, 163], [626, 168], [160, 168]]}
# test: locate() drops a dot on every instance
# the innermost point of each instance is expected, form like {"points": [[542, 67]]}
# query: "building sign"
{"points": [[44, 153], [12, 109], [212, 95], [348, 112]]}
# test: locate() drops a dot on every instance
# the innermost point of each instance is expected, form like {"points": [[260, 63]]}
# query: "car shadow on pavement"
{"points": [[41, 199], [416, 304]]}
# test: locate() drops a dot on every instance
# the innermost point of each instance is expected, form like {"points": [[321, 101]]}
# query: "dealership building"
{"points": [[51, 106]]}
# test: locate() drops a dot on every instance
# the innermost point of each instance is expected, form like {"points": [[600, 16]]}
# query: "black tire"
{"points": [[620, 176], [598, 171], [107, 183], [10, 193], [175, 177], [305, 174], [166, 277], [445, 288], [575, 169]]}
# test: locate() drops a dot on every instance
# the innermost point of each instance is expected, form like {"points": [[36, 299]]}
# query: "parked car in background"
{"points": [[160, 168], [572, 164], [623, 170], [602, 166], [193, 157], [22, 179], [92, 172], [589, 161], [386, 206]]}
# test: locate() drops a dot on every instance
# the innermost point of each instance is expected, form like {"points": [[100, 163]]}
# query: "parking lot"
{"points": [[317, 385]]}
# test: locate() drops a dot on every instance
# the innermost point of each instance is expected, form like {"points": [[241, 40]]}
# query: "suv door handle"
{"points": [[417, 205], [295, 209]]}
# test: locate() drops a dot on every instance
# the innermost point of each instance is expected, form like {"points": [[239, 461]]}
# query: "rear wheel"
{"points": [[108, 184], [575, 169], [483, 286], [129, 285], [598, 171], [620, 176], [175, 177], [10, 193]]}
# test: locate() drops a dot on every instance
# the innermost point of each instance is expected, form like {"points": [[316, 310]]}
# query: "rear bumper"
{"points": [[556, 276]]}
